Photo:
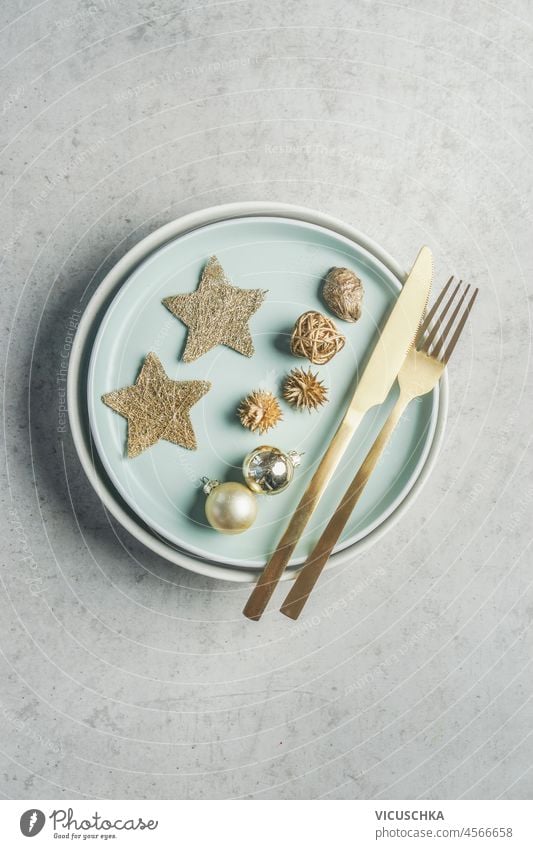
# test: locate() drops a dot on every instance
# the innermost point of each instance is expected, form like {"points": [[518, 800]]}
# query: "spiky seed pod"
{"points": [[343, 293], [303, 390], [259, 411]]}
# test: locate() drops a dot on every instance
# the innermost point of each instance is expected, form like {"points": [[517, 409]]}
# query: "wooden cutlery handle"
{"points": [[307, 578]]}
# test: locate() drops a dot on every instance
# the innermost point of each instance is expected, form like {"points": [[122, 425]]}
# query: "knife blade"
{"points": [[373, 387]]}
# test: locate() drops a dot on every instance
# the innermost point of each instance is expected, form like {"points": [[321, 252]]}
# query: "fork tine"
{"points": [[462, 322], [429, 317], [437, 348], [435, 329]]}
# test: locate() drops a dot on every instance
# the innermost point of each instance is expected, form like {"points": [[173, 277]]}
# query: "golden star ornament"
{"points": [[157, 407], [217, 313]]}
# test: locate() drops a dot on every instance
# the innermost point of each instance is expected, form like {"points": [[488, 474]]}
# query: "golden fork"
{"points": [[419, 374]]}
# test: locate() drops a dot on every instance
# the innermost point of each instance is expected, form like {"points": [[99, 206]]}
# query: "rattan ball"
{"points": [[316, 337]]}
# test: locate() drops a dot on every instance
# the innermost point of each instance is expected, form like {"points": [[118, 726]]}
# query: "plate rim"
{"points": [[109, 288], [93, 399]]}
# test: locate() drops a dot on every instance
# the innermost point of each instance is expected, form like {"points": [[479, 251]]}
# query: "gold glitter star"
{"points": [[157, 407], [216, 314]]}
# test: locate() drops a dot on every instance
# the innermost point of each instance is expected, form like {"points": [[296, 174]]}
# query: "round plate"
{"points": [[289, 258], [77, 385]]}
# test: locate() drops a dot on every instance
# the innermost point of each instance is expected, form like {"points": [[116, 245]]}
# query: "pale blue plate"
{"points": [[289, 258]]}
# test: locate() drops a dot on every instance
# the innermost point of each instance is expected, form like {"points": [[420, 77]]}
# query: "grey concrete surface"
{"points": [[123, 676]]}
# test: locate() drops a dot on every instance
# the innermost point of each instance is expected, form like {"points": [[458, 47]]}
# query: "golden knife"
{"points": [[376, 381]]}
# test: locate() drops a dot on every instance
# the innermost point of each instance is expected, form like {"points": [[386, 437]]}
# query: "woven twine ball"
{"points": [[316, 337], [343, 293]]}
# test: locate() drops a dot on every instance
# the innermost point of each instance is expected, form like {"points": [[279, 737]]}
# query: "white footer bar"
{"points": [[268, 824]]}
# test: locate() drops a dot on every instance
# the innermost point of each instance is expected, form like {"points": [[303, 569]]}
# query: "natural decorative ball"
{"points": [[259, 411], [304, 390], [316, 337], [343, 293], [268, 470], [230, 507]]}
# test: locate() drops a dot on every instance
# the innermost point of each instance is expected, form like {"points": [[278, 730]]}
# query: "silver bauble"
{"points": [[230, 507], [268, 470]]}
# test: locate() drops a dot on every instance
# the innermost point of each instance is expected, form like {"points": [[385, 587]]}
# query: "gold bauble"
{"points": [[230, 507]]}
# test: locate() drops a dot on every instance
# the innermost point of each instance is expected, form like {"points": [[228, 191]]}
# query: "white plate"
{"points": [[83, 344]]}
